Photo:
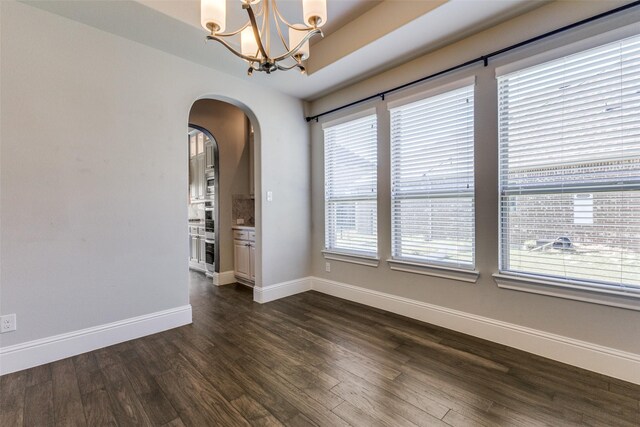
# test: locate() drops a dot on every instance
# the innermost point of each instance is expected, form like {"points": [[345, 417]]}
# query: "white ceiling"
{"points": [[345, 55], [340, 12]]}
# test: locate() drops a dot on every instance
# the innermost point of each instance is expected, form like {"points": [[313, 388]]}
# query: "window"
{"points": [[351, 190], [569, 133], [432, 195]]}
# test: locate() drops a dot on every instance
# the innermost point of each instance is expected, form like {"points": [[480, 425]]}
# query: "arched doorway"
{"points": [[235, 135], [210, 176]]}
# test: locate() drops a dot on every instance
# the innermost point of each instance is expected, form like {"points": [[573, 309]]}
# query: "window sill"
{"points": [[469, 276], [573, 290], [369, 261]]}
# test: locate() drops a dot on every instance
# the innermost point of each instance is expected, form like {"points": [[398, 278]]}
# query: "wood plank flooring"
{"points": [[306, 360]]}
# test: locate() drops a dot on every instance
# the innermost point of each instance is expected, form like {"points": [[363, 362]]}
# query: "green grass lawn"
{"points": [[590, 262]]}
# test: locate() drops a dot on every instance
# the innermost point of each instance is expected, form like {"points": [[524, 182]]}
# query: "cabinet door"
{"points": [[208, 156], [200, 146], [241, 258], [200, 178], [252, 262], [193, 173], [202, 254], [192, 145], [193, 248]]}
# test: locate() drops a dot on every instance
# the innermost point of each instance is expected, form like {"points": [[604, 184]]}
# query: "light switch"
{"points": [[269, 196]]}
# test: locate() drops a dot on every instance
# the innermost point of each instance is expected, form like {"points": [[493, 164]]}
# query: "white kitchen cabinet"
{"points": [[252, 262], [197, 180], [202, 251], [241, 259], [200, 159], [244, 255], [200, 145], [192, 145], [193, 186], [193, 248], [201, 184], [208, 156], [197, 247]]}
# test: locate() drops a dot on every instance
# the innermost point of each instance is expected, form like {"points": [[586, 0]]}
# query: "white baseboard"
{"points": [[593, 357], [281, 290], [38, 352], [197, 267], [586, 355], [224, 278]]}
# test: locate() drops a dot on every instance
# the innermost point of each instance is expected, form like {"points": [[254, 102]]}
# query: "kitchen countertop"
{"points": [[243, 227]]}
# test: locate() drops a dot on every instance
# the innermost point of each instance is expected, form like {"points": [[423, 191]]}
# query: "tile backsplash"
{"points": [[243, 207]]}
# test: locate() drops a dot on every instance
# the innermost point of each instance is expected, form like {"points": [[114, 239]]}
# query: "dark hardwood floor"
{"points": [[310, 359]]}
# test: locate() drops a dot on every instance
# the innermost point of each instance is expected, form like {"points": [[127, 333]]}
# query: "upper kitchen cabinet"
{"points": [[201, 187], [201, 161], [208, 156], [200, 144]]}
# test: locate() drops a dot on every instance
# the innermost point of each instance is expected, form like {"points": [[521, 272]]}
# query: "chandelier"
{"points": [[255, 40]]}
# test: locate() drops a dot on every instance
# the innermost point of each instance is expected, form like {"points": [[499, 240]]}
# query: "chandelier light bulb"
{"points": [[213, 14], [295, 37], [314, 12], [248, 43]]}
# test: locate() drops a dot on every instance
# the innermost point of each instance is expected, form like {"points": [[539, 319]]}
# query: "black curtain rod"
{"points": [[484, 59]]}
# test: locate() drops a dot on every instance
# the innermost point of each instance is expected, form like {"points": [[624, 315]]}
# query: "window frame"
{"points": [[346, 255], [592, 291], [417, 265]]}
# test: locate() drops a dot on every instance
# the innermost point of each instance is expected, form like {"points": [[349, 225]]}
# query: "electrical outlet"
{"points": [[269, 196], [239, 221], [327, 267], [7, 323]]}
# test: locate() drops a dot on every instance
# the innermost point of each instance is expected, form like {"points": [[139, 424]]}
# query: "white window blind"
{"points": [[351, 190], [432, 195], [569, 133]]}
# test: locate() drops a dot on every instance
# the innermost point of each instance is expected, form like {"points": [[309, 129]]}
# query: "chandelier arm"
{"points": [[245, 25], [299, 46], [254, 25], [232, 50], [284, 42], [264, 27], [296, 65], [275, 8], [287, 23]]}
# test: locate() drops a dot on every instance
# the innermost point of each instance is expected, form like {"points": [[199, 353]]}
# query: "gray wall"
{"points": [[229, 126], [605, 325], [93, 174]]}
